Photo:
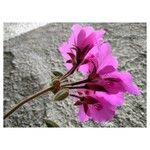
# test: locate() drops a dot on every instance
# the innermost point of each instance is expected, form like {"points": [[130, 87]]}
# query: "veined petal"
{"points": [[106, 113], [112, 85], [75, 31], [81, 37], [127, 81], [90, 40]]}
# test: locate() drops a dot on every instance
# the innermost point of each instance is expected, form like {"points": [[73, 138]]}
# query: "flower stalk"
{"points": [[71, 71], [102, 91], [76, 83], [27, 99]]}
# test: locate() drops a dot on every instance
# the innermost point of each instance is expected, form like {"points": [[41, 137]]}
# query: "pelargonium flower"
{"points": [[101, 92], [98, 106], [104, 76], [81, 42], [103, 52]]}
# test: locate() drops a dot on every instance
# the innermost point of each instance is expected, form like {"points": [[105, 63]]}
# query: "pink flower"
{"points": [[104, 76], [81, 42], [104, 55], [100, 106], [103, 90]]}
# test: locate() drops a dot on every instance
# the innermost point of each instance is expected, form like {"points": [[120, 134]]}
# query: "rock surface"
{"points": [[15, 29], [30, 58]]}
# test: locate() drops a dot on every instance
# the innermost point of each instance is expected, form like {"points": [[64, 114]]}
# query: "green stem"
{"points": [[25, 100]]}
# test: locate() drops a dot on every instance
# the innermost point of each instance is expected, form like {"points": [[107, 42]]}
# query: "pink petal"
{"points": [[112, 86], [105, 114], [94, 51], [88, 30], [81, 37], [127, 81], [90, 40], [107, 69], [81, 115], [86, 92], [100, 35], [84, 68], [106, 57], [68, 66], [76, 28], [114, 99], [75, 31], [64, 49]]}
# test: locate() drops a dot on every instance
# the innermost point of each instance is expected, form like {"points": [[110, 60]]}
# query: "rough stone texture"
{"points": [[15, 29], [30, 58]]}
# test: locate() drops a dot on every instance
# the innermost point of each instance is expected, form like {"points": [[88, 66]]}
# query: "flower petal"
{"points": [[100, 35], [107, 69], [84, 68], [127, 82], [103, 115], [64, 49], [75, 31], [106, 57], [112, 85], [90, 40], [114, 99], [88, 30], [81, 37], [68, 66], [81, 115], [94, 51]]}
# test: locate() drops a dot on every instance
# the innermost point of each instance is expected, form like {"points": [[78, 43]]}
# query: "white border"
{"points": [[74, 11]]}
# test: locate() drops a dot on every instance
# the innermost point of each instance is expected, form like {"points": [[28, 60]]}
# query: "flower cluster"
{"points": [[102, 90]]}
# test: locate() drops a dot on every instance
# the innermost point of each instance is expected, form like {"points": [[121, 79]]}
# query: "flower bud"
{"points": [[61, 95], [50, 124], [55, 76], [57, 73]]}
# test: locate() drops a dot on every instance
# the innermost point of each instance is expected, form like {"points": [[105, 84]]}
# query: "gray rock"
{"points": [[30, 58], [15, 29]]}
